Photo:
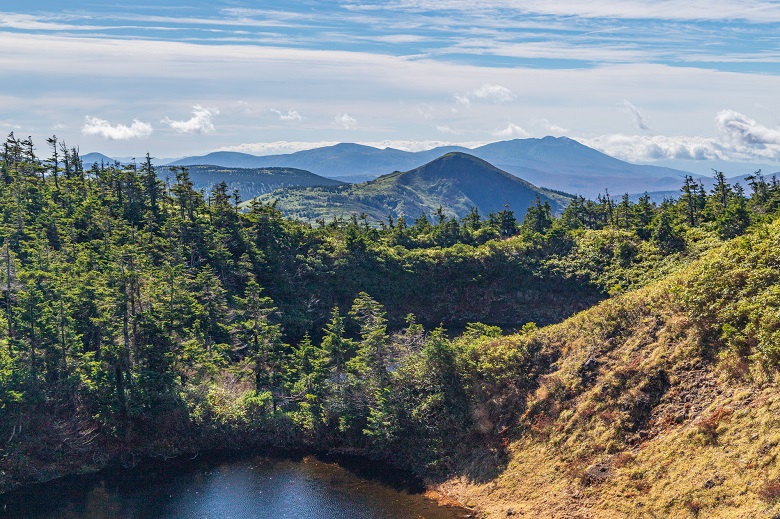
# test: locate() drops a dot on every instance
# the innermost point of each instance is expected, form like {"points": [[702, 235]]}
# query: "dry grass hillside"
{"points": [[661, 403]]}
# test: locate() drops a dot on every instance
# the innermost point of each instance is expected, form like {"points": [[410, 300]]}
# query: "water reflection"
{"points": [[256, 487]]}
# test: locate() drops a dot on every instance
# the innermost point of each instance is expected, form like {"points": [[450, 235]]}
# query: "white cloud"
{"points": [[280, 147], [585, 100], [636, 116], [38, 23], [462, 100], [422, 145], [495, 93], [551, 49], [646, 148], [277, 147], [763, 11], [399, 38], [754, 10], [512, 131], [742, 139], [741, 129], [243, 107], [344, 121], [551, 128], [443, 128], [290, 115], [200, 122], [119, 132], [425, 110]]}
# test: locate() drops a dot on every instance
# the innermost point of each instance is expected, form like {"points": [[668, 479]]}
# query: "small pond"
{"points": [[232, 487]]}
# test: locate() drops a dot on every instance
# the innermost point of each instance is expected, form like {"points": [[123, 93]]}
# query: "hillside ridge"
{"points": [[456, 182], [248, 182], [648, 408], [558, 163]]}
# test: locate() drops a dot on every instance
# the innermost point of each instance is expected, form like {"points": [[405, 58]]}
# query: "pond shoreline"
{"points": [[149, 469]]}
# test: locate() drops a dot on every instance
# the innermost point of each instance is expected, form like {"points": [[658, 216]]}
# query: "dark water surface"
{"points": [[251, 487]]}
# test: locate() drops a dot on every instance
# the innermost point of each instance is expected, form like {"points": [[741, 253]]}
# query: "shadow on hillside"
{"points": [[484, 464]]}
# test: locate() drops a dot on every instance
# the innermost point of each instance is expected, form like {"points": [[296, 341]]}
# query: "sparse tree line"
{"points": [[135, 307]]}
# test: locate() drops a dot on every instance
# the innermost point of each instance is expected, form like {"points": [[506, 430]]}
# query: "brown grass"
{"points": [[770, 491], [702, 447], [693, 506], [708, 426]]}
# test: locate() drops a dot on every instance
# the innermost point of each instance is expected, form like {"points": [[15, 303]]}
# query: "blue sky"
{"points": [[643, 80]]}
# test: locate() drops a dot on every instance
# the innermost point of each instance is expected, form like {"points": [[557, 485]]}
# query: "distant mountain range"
{"points": [[97, 158], [455, 181], [729, 168], [709, 183], [558, 163], [555, 162], [348, 162], [250, 182]]}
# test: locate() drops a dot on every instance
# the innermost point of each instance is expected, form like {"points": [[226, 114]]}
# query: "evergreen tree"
{"points": [[538, 218]]}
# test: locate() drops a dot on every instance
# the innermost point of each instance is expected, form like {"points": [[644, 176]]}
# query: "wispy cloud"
{"points": [[529, 62], [761, 11], [512, 131], [344, 121], [118, 132], [495, 93], [279, 147], [406, 145], [401, 38], [538, 29], [742, 139], [200, 122], [289, 115], [443, 128], [425, 110], [242, 107], [487, 92], [462, 100], [552, 49], [39, 23], [551, 128], [636, 116], [741, 129], [646, 148]]}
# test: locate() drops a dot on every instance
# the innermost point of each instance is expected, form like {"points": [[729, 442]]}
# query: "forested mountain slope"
{"points": [[455, 182], [246, 182]]}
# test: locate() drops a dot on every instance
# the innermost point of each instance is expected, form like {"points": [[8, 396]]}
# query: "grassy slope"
{"points": [[660, 404]]}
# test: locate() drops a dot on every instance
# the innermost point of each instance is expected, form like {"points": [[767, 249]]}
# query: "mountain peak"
{"points": [[455, 181], [460, 155], [458, 159], [351, 146], [454, 166], [95, 157], [554, 162]]}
